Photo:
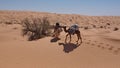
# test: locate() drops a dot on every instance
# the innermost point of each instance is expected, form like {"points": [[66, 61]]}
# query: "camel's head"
{"points": [[64, 26]]}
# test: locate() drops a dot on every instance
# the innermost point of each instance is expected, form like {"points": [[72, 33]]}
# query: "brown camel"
{"points": [[68, 31]]}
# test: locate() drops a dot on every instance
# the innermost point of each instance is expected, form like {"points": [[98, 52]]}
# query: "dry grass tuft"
{"points": [[115, 29]]}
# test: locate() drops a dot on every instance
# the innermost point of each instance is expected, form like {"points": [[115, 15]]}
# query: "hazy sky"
{"points": [[83, 7]]}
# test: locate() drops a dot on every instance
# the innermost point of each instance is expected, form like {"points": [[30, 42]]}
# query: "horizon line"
{"points": [[16, 10]]}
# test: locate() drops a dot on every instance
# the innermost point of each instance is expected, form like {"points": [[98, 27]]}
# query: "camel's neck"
{"points": [[65, 29]]}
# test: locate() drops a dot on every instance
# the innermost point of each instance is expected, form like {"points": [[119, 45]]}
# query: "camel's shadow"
{"points": [[69, 47]]}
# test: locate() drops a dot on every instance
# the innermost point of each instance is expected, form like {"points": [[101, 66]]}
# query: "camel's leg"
{"points": [[79, 37], [70, 38], [66, 38]]}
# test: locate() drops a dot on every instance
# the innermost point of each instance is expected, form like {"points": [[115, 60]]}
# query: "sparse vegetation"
{"points": [[70, 20], [9, 23], [36, 28], [115, 29], [87, 22], [101, 26], [94, 26], [86, 27], [108, 23]]}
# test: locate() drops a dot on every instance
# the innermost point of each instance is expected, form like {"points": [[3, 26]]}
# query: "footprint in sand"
{"points": [[87, 42], [116, 52], [101, 43], [107, 45], [95, 41], [103, 47], [119, 49], [99, 46], [93, 44], [84, 39], [111, 48]]}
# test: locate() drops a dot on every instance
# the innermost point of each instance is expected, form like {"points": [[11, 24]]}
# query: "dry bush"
{"points": [[108, 23], [101, 26], [36, 28], [8, 23], [94, 26], [115, 29], [86, 27], [70, 20]]}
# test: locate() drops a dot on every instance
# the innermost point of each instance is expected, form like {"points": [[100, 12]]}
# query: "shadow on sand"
{"points": [[54, 39], [69, 47]]}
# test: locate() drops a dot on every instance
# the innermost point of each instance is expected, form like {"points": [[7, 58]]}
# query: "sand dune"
{"points": [[100, 48]]}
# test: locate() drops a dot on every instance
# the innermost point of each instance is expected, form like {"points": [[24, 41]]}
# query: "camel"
{"points": [[68, 31]]}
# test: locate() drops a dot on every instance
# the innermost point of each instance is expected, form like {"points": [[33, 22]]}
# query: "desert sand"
{"points": [[100, 47]]}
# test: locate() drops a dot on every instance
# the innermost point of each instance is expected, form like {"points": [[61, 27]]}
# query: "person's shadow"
{"points": [[54, 39], [68, 47]]}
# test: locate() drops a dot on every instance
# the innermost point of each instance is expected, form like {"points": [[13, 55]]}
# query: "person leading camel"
{"points": [[74, 29], [57, 30]]}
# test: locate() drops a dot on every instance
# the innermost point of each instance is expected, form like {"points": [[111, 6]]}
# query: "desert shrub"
{"points": [[115, 29], [8, 23], [86, 27], [36, 28], [0, 22], [81, 26], [70, 20], [94, 26], [108, 23], [101, 26]]}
